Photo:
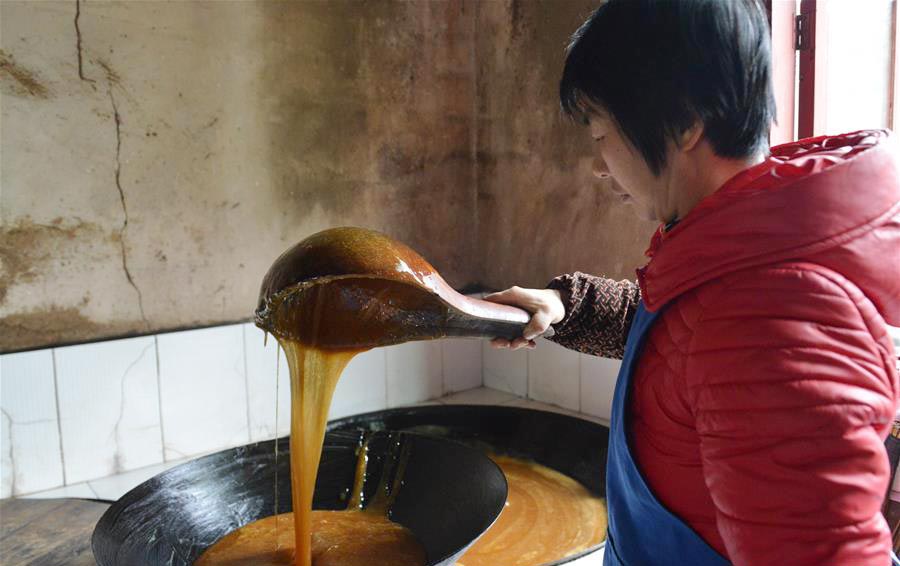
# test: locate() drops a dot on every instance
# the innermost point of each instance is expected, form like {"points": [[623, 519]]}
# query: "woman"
{"points": [[758, 380]]}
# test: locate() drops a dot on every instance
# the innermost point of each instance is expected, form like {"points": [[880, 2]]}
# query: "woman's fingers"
{"points": [[539, 302], [538, 324], [515, 296], [515, 344], [519, 343]]}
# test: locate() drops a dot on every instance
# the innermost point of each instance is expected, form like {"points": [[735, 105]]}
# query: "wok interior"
{"points": [[174, 517], [450, 495], [572, 446]]}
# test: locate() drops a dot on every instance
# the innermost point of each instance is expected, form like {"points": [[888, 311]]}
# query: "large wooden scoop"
{"points": [[352, 288]]}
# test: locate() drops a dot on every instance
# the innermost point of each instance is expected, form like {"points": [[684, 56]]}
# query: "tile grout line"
{"points": [[580, 382], [481, 363], [439, 346], [247, 383], [62, 456], [443, 373], [387, 391], [159, 396], [528, 374]]}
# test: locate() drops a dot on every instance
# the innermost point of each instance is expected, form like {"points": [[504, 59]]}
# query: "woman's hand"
{"points": [[546, 308]]}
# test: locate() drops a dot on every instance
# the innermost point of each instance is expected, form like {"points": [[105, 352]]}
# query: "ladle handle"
{"points": [[477, 317], [511, 331]]}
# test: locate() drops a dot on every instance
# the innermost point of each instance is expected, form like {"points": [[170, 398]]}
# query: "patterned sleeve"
{"points": [[599, 312]]}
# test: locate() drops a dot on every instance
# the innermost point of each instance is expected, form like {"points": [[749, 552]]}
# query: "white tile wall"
{"points": [[413, 372], [598, 381], [203, 389], [505, 370], [77, 491], [108, 407], [32, 458], [6, 452], [462, 364], [363, 385], [261, 387], [553, 375], [114, 487], [188, 393], [111, 487], [478, 396]]}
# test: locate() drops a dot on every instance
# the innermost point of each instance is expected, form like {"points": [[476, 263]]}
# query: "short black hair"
{"points": [[659, 66]]}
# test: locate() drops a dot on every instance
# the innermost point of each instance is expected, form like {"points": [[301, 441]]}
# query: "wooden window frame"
{"points": [[784, 70], [805, 68], [808, 73], [894, 99]]}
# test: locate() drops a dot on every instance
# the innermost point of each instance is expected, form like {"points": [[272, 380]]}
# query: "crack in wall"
{"points": [[94, 491], [12, 462], [34, 422], [78, 43], [62, 453], [111, 79], [118, 466], [178, 453], [118, 121], [159, 398]]}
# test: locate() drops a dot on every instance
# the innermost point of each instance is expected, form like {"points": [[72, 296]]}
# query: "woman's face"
{"points": [[632, 180]]}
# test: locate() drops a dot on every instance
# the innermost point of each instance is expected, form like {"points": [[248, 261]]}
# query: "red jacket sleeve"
{"points": [[793, 389]]}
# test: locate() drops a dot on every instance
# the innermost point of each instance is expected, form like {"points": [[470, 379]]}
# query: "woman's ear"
{"points": [[691, 137]]}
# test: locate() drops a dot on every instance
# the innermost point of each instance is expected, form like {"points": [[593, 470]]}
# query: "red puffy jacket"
{"points": [[764, 393]]}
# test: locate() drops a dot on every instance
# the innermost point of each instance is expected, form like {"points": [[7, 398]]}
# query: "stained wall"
{"points": [[157, 156], [540, 211]]}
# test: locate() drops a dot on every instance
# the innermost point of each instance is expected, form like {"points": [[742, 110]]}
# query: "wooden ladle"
{"points": [[353, 288]]}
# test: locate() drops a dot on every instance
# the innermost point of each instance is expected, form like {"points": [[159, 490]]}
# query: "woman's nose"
{"points": [[600, 170]]}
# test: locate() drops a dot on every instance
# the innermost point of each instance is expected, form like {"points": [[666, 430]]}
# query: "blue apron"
{"points": [[641, 531]]}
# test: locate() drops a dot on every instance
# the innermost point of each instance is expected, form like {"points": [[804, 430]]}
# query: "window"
{"points": [[835, 66]]}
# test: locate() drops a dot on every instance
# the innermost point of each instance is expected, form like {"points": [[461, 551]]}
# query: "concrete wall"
{"points": [[157, 156], [540, 211]]}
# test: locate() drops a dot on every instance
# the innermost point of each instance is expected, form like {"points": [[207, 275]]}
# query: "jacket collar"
{"points": [[806, 197]]}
